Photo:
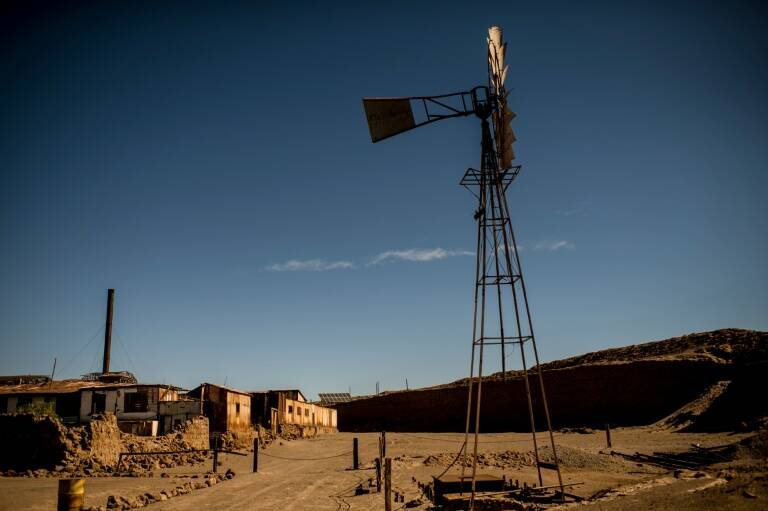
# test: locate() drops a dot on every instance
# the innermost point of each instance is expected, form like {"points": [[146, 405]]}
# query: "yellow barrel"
{"points": [[71, 494]]}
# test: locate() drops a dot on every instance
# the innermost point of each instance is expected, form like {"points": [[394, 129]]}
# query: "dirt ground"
{"points": [[316, 474]]}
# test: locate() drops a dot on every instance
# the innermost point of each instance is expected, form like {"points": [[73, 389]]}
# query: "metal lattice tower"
{"points": [[499, 290]]}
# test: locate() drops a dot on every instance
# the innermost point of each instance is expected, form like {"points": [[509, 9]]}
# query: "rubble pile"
{"points": [[501, 459], [297, 431], [567, 456], [177, 440], [43, 447]]}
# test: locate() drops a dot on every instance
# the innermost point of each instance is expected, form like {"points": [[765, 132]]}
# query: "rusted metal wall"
{"points": [[227, 410], [238, 412]]}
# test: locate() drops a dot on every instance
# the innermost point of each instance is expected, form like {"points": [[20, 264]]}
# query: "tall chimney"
{"points": [[108, 329]]}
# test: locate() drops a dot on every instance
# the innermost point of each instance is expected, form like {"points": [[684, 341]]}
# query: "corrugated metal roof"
{"points": [[196, 391], [54, 387], [70, 386]]}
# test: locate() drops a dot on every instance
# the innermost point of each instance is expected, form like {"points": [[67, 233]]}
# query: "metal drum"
{"points": [[71, 494]]}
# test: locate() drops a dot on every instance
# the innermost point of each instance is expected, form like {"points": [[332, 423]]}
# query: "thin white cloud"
{"points": [[569, 212], [581, 207], [510, 249], [553, 246], [418, 255], [310, 265]]}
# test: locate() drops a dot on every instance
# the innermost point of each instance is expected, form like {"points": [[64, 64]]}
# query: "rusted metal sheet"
{"points": [[388, 116]]}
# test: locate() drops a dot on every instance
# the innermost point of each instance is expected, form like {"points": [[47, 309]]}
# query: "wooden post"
{"points": [[388, 484], [378, 475], [608, 435], [215, 454], [354, 454], [383, 444], [256, 454]]}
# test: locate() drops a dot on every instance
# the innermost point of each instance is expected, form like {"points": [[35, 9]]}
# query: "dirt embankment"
{"points": [[635, 385]]}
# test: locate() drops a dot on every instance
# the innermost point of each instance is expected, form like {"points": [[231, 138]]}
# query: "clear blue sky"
{"points": [[185, 153]]}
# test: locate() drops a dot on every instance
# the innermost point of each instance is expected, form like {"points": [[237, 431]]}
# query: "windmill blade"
{"points": [[502, 117]]}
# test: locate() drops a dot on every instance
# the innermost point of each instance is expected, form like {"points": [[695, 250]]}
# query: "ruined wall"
{"points": [[30, 443], [176, 413], [105, 439], [194, 432], [621, 394]]}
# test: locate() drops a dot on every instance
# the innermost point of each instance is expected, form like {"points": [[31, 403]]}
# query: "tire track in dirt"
{"points": [[281, 484]]}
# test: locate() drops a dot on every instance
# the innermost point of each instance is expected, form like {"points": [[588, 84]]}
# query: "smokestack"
{"points": [[108, 329]]}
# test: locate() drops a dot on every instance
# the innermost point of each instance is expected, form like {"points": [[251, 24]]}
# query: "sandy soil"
{"points": [[315, 474]]}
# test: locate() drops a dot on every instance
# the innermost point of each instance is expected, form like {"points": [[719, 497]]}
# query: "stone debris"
{"points": [[122, 502], [508, 459]]}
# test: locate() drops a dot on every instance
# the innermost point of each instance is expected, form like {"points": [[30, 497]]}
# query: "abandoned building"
{"points": [[61, 397], [176, 413], [270, 408], [227, 409], [136, 406]]}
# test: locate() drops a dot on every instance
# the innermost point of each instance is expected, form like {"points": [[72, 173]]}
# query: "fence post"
{"points": [[608, 435], [355, 464], [383, 444], [388, 484], [378, 475], [256, 454]]}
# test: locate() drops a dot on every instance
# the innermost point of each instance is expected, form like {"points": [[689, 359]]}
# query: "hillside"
{"points": [[726, 346], [702, 381]]}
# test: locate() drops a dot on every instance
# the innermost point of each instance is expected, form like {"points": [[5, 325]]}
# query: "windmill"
{"points": [[499, 285]]}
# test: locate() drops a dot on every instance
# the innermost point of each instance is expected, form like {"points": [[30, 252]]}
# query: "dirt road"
{"points": [[316, 473]]}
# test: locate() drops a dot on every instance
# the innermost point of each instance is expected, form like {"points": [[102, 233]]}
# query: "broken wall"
{"points": [[30, 443], [105, 439]]}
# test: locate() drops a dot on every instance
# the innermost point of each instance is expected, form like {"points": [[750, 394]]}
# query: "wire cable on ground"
{"points": [[340, 497], [453, 440], [461, 451], [261, 453]]}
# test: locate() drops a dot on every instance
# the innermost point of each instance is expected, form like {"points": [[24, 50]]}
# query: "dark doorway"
{"points": [[98, 403]]}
